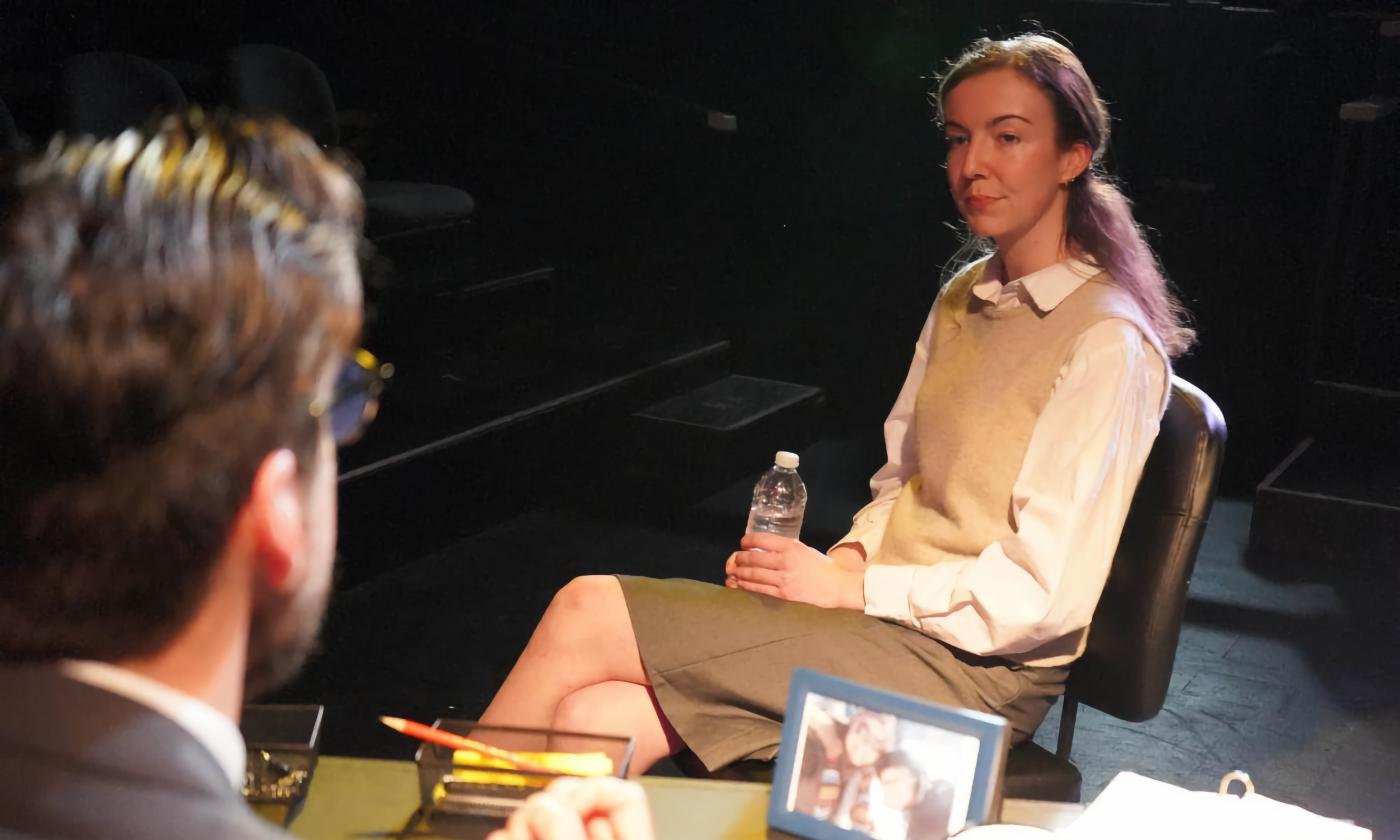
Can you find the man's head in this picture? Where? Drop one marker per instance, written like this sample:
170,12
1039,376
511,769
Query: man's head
175,305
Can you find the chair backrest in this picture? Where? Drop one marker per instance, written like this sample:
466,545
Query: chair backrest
1132,641
268,80
105,93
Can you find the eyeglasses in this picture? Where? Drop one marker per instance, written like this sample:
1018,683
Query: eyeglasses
355,398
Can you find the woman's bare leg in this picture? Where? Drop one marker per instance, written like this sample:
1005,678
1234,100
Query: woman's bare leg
621,708
585,638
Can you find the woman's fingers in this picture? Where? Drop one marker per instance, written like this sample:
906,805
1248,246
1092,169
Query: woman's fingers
767,542
758,574
755,559
761,588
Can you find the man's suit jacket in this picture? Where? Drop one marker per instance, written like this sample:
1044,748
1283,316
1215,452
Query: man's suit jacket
80,762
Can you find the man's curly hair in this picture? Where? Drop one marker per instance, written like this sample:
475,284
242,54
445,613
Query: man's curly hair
168,299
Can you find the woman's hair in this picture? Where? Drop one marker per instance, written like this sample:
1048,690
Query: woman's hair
1100,220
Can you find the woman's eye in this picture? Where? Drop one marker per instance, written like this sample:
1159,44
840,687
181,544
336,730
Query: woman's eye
954,140
1010,138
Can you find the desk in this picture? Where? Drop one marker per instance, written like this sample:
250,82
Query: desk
373,798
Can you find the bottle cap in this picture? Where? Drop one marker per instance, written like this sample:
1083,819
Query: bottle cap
786,460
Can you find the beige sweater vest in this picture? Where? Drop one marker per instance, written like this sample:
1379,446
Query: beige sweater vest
989,375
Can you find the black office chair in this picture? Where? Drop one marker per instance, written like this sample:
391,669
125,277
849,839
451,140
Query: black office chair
266,79
105,93
1132,641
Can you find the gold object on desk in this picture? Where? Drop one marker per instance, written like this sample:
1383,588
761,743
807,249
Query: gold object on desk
282,742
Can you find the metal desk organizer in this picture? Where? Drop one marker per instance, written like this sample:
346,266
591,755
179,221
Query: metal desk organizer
283,741
459,782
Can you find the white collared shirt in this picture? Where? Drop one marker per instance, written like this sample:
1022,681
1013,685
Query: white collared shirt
207,725
1106,405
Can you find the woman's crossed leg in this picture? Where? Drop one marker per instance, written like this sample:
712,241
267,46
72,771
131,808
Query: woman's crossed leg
582,672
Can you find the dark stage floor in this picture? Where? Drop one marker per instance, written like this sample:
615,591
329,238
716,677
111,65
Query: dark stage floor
1294,682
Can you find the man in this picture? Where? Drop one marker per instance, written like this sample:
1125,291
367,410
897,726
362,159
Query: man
178,312
178,316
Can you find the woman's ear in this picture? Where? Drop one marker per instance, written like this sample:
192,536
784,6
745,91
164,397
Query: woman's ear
276,512
1074,161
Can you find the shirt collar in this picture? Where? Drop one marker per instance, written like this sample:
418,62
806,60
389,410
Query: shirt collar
1046,288
210,727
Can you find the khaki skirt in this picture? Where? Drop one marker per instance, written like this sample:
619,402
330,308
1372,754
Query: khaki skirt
720,661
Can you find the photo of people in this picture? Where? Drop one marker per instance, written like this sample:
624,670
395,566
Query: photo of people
876,774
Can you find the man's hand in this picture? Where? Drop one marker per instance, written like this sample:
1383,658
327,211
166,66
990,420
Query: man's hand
581,809
787,569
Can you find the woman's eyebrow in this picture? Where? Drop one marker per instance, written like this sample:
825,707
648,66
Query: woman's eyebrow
947,124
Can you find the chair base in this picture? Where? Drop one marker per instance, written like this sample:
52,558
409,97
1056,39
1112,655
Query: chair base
1033,772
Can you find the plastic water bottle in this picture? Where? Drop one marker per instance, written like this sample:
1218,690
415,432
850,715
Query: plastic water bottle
779,499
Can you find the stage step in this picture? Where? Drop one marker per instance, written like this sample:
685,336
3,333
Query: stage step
718,432
1331,507
1333,504
452,480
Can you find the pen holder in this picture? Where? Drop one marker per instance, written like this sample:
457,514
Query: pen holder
465,782
282,743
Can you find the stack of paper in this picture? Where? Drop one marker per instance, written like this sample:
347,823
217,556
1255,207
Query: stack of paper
1139,807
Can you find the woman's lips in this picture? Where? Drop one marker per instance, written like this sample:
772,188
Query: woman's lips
979,202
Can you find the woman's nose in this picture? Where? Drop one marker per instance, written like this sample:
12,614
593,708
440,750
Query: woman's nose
972,163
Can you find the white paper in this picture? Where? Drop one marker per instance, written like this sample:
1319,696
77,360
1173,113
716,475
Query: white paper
1139,807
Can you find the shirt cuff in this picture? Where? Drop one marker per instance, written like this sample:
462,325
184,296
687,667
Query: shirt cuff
887,591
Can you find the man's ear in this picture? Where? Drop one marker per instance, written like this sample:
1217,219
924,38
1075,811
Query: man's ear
276,514
1074,161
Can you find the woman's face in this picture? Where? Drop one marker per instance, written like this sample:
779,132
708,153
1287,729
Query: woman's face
867,738
1005,167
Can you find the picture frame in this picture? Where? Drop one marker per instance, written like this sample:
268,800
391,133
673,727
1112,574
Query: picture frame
859,762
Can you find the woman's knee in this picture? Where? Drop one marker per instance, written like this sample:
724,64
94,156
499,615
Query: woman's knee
586,599
585,609
579,711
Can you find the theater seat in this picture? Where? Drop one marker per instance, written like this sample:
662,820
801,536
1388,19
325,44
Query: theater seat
400,206
105,93
266,80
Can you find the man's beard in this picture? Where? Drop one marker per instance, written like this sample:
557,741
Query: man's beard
284,632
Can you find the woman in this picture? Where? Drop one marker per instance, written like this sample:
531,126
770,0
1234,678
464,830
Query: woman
1014,448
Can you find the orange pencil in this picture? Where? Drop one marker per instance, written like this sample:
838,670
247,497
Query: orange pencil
458,742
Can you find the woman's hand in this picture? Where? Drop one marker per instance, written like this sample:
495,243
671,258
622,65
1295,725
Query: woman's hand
787,569
581,809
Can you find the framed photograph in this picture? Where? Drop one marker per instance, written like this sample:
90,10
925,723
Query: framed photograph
856,762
